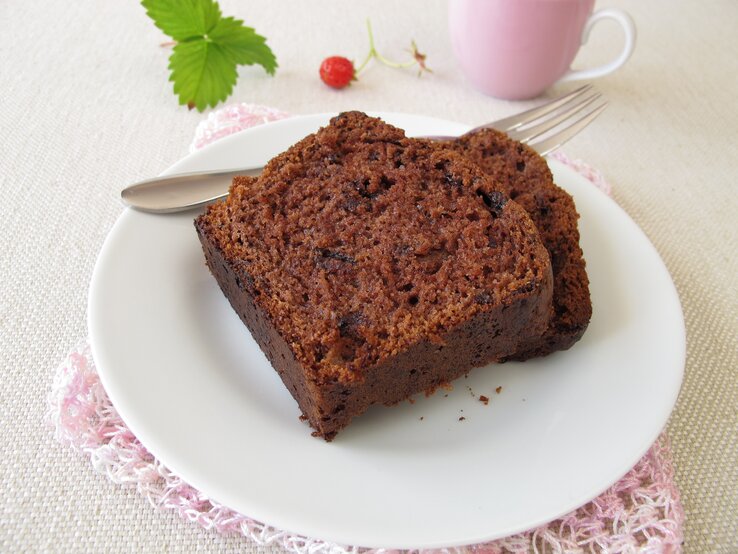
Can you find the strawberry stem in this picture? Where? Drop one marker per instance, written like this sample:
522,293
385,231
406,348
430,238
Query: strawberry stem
373,53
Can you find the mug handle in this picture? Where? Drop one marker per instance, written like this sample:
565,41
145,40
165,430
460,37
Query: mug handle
626,22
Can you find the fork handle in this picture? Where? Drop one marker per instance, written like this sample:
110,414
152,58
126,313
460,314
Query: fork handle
184,191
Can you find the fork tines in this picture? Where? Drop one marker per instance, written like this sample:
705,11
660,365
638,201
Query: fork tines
555,122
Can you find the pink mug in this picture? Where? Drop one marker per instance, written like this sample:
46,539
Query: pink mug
515,49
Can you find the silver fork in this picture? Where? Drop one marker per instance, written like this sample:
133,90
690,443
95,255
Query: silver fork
552,124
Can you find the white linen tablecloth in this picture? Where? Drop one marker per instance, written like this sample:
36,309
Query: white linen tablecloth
85,108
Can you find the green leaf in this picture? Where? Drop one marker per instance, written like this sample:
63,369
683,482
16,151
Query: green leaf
202,72
209,47
242,44
183,19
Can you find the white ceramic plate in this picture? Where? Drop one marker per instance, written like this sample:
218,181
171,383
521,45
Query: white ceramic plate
186,376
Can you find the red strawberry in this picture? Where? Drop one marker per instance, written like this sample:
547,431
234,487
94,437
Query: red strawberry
337,71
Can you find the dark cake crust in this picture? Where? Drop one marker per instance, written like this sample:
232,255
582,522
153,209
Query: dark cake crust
525,177
370,267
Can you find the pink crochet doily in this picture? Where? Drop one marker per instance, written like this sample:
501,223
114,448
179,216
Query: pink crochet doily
640,513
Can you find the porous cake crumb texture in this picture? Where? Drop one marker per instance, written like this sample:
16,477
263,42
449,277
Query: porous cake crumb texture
360,255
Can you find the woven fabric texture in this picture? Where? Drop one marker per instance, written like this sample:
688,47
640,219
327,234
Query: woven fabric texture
86,108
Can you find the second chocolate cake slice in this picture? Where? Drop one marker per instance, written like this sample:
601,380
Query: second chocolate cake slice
370,267
520,173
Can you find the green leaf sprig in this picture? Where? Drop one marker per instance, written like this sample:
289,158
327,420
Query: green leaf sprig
208,48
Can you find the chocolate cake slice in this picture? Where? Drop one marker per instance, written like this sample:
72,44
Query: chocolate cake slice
524,176
370,267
